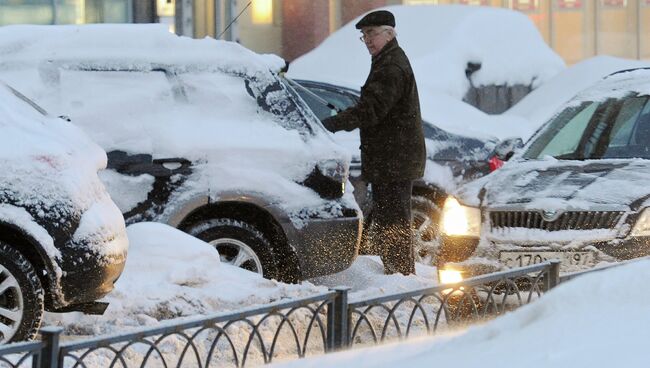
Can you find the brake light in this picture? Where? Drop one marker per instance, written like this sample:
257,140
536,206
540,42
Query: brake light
495,163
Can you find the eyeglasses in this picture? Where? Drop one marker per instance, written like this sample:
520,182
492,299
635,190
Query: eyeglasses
370,35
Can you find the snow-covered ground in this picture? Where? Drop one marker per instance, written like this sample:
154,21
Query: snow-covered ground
170,274
596,320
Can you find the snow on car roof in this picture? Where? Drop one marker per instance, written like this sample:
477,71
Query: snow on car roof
541,104
617,85
139,44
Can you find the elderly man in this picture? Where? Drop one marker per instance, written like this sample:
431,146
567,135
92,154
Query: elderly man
392,141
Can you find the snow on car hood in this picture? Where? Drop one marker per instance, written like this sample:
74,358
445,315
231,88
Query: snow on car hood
49,168
562,184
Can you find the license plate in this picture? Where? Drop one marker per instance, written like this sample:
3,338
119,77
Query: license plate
568,259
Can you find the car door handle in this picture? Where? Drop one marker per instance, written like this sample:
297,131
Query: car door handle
174,166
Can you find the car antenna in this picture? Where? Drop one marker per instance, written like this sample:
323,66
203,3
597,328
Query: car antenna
234,20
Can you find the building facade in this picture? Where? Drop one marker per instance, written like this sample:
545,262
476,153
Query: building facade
575,29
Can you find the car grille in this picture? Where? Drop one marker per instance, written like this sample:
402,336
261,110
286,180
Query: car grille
572,220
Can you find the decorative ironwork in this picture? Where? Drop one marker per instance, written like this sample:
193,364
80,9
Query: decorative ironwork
235,339
428,310
24,354
317,324
544,220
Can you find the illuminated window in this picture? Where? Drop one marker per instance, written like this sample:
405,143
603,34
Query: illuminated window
262,11
165,8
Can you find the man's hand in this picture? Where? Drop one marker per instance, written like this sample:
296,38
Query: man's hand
329,124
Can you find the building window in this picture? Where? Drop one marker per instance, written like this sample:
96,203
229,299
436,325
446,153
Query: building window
64,11
26,12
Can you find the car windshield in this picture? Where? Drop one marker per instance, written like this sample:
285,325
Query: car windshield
614,128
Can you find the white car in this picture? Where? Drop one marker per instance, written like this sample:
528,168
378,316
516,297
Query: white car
202,135
63,242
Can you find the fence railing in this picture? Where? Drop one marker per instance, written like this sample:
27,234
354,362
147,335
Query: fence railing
313,325
427,310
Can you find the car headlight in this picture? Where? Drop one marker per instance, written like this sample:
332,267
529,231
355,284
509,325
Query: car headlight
459,220
642,226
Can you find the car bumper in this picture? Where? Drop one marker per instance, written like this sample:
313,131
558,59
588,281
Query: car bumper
89,274
455,254
325,246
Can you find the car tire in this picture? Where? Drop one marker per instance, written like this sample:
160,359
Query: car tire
239,244
425,217
21,297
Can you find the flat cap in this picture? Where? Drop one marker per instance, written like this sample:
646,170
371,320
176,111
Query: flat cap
377,18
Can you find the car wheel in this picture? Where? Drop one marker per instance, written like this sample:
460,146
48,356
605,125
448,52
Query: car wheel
425,215
239,244
21,297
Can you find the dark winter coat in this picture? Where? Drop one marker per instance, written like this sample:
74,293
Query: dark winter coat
388,118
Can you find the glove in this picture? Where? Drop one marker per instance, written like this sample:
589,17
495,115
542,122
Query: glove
329,124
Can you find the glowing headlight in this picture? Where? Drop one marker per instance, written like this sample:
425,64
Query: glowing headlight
460,220
449,276
642,226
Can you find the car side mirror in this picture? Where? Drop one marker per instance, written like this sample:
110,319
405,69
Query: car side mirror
507,147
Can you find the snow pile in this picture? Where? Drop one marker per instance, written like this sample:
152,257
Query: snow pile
540,105
596,320
170,274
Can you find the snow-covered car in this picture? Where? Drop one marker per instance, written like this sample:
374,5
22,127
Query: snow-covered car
202,135
576,192
63,242
466,158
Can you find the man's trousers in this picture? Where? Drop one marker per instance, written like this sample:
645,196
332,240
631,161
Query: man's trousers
390,231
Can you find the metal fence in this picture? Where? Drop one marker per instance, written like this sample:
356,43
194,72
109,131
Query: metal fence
292,329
